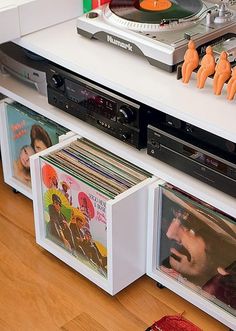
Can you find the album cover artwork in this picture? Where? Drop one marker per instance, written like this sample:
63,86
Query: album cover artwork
28,133
75,216
197,247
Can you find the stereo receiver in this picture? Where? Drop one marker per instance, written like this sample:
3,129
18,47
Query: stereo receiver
99,106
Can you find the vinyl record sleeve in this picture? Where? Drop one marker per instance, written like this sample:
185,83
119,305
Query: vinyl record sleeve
28,133
197,248
75,216
113,159
100,168
110,166
87,170
80,175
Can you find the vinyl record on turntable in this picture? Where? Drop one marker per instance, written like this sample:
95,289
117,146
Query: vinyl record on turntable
155,11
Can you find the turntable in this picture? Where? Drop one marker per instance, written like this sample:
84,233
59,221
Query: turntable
159,30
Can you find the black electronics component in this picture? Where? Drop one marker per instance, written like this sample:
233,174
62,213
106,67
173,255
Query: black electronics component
214,165
99,106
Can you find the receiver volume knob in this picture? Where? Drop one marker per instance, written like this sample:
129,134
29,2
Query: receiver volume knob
125,115
57,80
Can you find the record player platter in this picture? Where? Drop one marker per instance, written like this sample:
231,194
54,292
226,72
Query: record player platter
147,11
159,30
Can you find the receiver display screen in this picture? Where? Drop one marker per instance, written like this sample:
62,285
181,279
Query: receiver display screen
90,99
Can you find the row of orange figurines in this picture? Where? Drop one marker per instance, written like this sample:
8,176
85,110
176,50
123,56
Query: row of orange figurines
221,70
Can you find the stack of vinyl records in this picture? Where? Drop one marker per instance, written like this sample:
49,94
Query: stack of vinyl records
97,167
77,182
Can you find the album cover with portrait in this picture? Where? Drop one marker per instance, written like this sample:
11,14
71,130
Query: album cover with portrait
74,215
28,133
197,247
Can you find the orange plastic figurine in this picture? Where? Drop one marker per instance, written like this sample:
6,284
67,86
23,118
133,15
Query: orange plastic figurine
191,62
222,73
207,68
231,86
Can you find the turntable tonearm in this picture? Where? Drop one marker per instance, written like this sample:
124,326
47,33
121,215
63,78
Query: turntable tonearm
159,30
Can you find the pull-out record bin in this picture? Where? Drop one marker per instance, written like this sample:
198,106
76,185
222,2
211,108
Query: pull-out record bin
117,226
191,249
24,133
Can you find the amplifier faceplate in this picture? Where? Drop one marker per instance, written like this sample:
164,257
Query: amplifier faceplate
107,110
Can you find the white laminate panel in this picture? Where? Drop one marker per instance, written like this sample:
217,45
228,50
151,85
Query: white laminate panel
135,77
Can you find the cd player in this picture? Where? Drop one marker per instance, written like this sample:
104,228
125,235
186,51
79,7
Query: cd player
24,65
204,161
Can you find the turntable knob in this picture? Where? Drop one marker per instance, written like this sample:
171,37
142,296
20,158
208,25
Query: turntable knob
125,115
57,80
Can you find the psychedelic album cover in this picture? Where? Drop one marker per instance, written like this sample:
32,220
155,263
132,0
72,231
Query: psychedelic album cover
28,133
75,216
197,247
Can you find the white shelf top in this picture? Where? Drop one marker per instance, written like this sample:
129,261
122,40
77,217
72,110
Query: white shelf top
133,76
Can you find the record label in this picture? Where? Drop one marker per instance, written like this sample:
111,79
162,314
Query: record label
155,5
